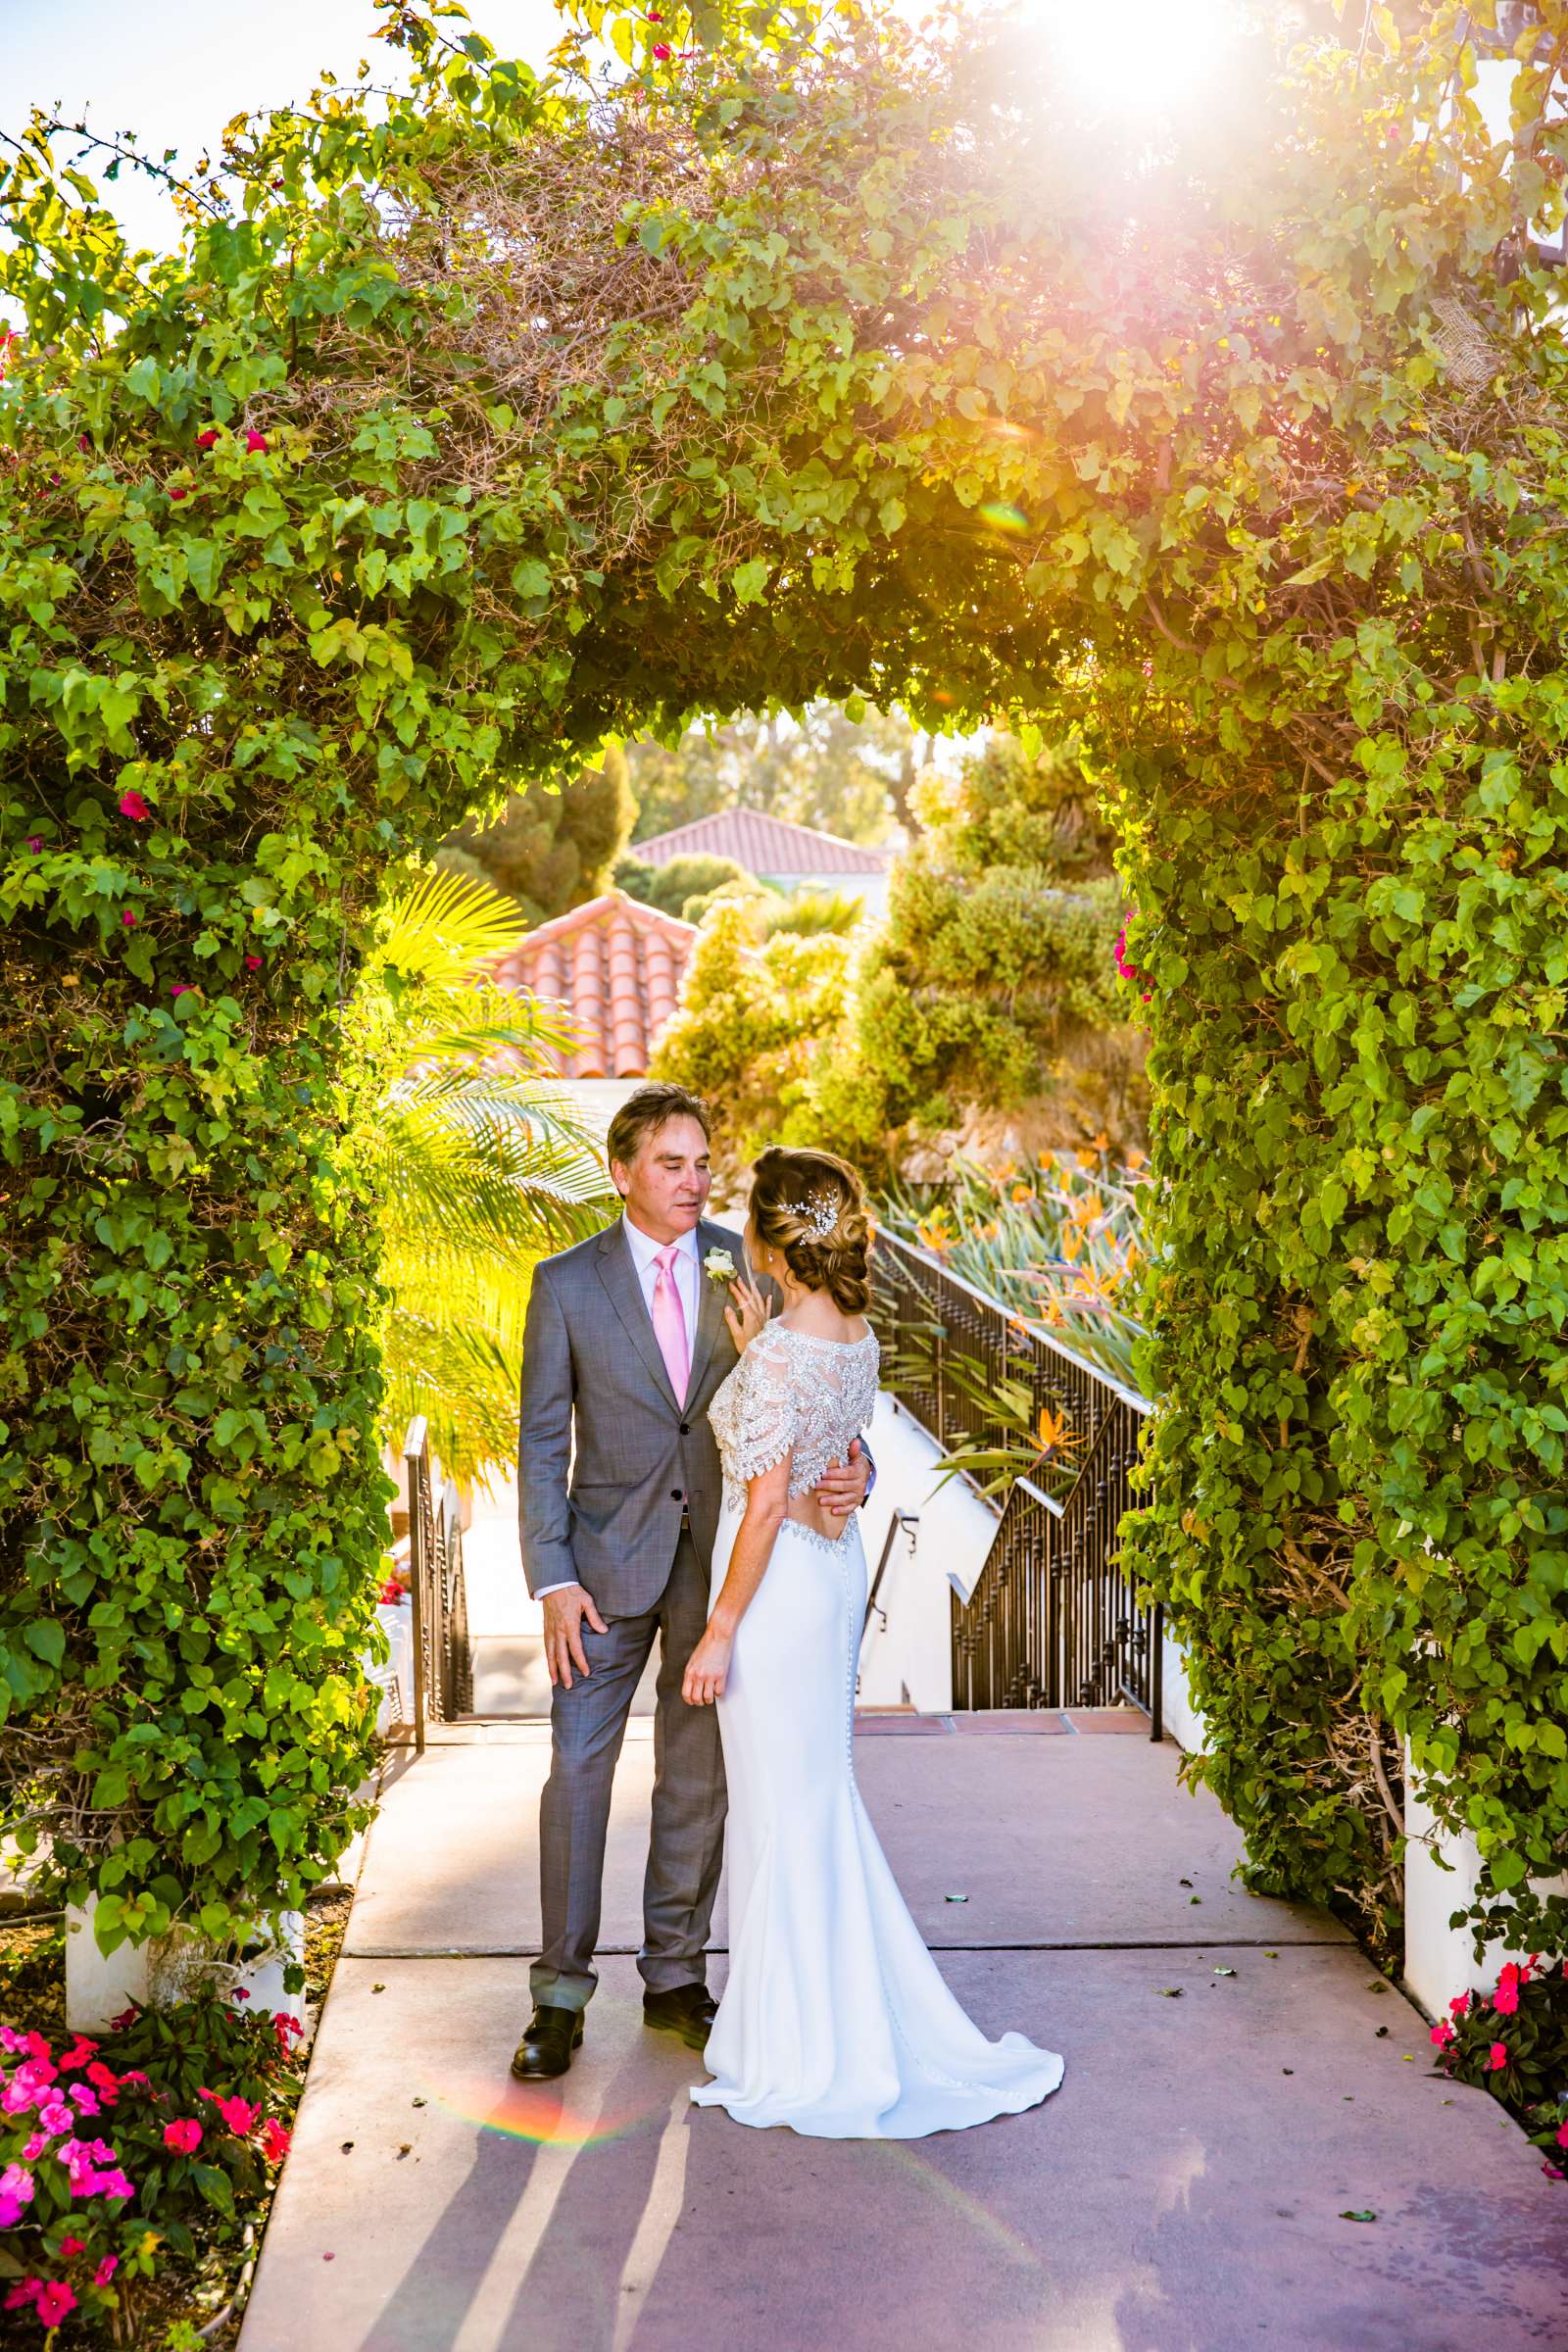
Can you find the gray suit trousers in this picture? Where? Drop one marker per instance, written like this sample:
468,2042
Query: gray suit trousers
587,1725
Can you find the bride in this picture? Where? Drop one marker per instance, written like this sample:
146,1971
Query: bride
835,2020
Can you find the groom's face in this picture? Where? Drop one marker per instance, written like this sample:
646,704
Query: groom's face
665,1187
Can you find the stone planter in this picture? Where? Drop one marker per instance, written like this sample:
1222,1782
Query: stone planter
171,1968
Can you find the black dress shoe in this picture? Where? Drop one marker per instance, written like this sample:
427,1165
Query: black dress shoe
689,2011
546,2048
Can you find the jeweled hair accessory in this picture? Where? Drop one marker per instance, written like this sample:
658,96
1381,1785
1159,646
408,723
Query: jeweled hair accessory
820,1213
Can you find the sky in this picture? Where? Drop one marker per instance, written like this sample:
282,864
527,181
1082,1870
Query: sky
176,71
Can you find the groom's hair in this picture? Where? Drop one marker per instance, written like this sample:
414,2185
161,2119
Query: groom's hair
644,1112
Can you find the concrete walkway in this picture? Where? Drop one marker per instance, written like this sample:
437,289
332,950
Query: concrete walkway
1237,2079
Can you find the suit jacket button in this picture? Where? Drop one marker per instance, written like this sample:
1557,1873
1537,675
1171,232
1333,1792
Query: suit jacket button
685,1429
675,1494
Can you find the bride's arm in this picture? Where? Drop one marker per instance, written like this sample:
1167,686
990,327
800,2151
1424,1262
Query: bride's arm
767,1499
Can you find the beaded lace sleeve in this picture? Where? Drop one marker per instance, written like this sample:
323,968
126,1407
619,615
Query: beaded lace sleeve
796,1397
753,1414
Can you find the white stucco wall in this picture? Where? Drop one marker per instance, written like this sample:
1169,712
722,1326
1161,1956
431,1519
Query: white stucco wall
1438,1961
907,1659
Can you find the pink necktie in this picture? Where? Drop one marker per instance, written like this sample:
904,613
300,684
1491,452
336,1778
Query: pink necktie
669,1323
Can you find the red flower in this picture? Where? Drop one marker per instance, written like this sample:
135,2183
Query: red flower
1441,2035
1498,2056
132,805
55,2298
662,51
239,2115
275,2140
241,1993
1562,2136
1460,2004
128,919
256,442
72,2245
207,439
185,2135
179,493
1505,2000
253,963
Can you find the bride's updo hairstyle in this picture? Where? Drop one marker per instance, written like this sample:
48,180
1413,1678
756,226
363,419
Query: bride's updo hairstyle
811,1207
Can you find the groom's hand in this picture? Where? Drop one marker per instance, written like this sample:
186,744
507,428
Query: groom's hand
564,1611
842,1486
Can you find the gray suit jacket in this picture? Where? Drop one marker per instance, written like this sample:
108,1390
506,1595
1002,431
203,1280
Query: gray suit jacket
610,1519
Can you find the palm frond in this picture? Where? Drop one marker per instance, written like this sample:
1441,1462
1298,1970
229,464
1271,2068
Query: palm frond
446,924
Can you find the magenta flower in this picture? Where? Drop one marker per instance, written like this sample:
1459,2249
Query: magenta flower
179,493
84,441
255,443
1498,2056
1505,2000
26,2291
72,2245
253,963
207,439
1441,2035
1460,2004
1562,2136
239,2115
182,988
106,2270
275,2140
662,51
128,919
132,805
185,2135
241,1993
55,2300
35,843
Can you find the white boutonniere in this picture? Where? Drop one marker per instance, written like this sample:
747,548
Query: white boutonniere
719,1266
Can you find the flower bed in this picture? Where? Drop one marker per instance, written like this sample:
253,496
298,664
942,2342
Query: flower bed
136,2168
1514,2042
1060,1242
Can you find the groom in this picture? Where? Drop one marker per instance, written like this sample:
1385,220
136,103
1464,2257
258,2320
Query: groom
619,1488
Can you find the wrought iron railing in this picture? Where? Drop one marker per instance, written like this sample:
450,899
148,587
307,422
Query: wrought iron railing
1052,1621
443,1665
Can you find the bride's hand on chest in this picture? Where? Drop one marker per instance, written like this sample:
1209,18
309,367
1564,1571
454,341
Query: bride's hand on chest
746,1312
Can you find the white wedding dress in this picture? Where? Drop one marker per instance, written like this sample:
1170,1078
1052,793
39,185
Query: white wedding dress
835,2019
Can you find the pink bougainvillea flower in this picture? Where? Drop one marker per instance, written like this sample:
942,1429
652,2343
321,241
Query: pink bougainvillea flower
255,443
206,440
126,2017
1441,2035
186,2135
55,2300
239,2115
35,843
132,805
1498,2056
182,988
253,963
275,2140
1460,2004
72,2245
106,2270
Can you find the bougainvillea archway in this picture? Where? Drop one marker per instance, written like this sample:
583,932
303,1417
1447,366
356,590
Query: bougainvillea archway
811,355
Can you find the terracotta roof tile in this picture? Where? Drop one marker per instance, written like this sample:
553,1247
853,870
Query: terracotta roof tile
617,967
763,845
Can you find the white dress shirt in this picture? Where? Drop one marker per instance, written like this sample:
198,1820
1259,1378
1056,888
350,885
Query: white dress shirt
645,1251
